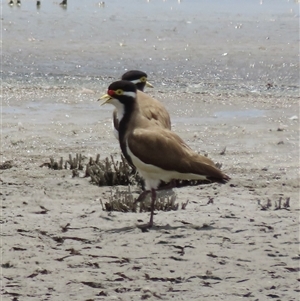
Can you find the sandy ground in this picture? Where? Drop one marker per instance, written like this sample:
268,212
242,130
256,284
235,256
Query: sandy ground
243,245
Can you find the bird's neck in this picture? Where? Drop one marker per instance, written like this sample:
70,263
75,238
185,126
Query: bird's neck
128,114
125,115
140,86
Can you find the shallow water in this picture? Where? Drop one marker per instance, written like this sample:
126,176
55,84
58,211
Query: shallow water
194,47
219,40
240,114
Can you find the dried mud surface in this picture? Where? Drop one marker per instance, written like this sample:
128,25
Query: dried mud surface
58,243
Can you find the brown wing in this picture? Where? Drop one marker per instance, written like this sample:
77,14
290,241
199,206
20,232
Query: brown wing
153,109
168,151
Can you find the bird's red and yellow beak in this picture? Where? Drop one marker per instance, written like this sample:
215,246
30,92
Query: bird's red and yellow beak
106,97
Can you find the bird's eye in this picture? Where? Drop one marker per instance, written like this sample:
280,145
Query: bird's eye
119,92
143,79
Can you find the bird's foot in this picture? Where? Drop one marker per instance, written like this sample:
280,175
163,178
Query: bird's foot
145,227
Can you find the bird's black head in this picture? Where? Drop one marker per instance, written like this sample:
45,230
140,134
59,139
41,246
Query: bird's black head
139,78
124,91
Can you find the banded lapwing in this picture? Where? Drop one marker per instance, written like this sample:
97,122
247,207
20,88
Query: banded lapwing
151,108
137,77
158,153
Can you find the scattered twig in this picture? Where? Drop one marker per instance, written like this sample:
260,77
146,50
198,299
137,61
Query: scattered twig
124,201
286,204
265,207
109,172
65,228
210,200
6,165
278,205
43,211
223,151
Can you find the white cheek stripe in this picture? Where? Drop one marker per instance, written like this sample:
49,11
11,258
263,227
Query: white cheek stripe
130,94
120,108
135,81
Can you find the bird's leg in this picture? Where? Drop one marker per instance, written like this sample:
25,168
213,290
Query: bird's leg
153,196
170,185
142,196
